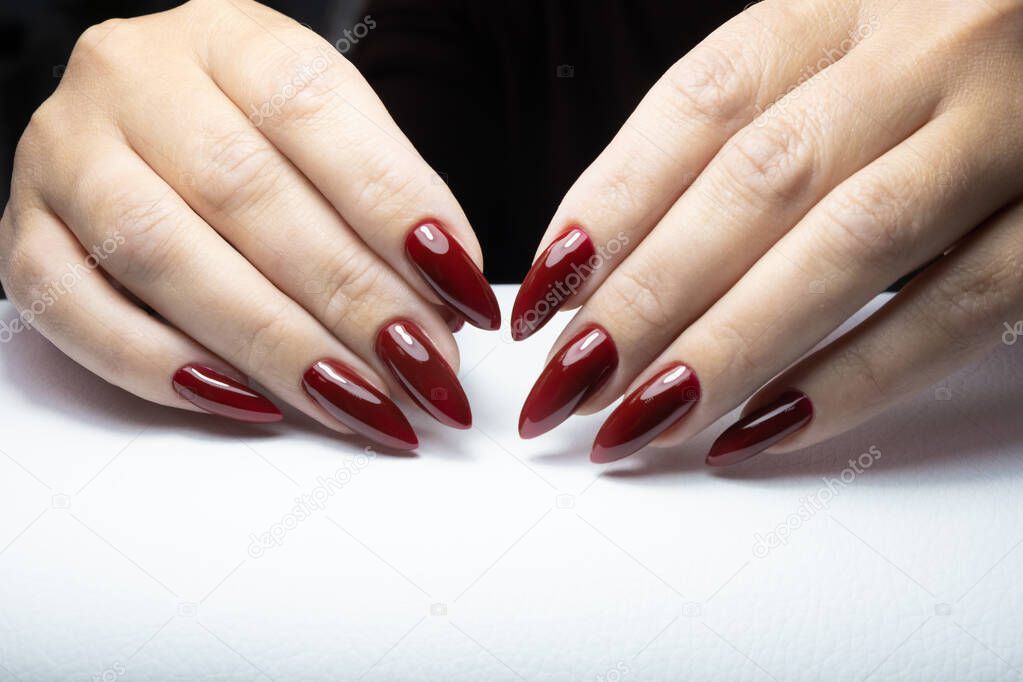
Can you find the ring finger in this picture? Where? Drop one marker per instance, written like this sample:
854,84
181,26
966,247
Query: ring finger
172,260
243,187
761,183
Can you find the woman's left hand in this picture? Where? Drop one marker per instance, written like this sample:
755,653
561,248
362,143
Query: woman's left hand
791,167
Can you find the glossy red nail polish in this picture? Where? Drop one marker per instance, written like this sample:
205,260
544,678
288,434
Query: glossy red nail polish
646,413
557,274
354,402
421,370
220,394
574,374
761,429
454,321
447,268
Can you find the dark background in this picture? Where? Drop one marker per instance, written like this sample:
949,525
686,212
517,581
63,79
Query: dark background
509,101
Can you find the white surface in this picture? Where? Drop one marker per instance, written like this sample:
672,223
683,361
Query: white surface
125,543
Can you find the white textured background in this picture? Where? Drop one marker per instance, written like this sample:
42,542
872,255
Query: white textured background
125,543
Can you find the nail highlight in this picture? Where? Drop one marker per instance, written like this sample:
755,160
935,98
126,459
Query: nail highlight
450,272
646,413
555,276
576,372
354,402
761,429
421,370
219,394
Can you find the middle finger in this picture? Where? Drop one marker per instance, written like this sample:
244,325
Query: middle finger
760,184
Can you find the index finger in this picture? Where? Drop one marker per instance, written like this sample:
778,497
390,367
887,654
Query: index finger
314,106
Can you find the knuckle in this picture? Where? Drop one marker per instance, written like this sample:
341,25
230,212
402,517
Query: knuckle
859,376
102,45
627,187
241,172
142,234
24,274
133,229
269,332
31,278
711,84
867,223
732,345
639,293
973,297
303,88
352,278
775,161
384,186
44,131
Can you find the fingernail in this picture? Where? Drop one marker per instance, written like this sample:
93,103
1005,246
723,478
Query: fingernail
761,429
448,270
646,412
421,370
221,395
576,372
354,402
555,276
454,321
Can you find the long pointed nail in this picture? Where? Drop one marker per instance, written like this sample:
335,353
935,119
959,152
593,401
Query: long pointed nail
421,370
219,394
555,276
761,429
576,372
449,271
646,413
453,320
354,402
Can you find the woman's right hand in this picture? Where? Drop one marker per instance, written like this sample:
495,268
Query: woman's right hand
230,170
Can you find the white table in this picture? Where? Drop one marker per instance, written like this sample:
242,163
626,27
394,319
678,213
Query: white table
126,542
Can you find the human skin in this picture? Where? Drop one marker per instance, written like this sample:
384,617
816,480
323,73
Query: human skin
792,166
226,168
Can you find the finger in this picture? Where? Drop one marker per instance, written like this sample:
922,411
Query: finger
60,291
243,187
315,107
892,217
768,176
895,215
176,263
955,310
739,71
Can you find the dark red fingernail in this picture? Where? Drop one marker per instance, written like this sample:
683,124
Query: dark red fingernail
761,429
646,413
354,402
447,268
577,372
454,321
555,276
421,370
220,394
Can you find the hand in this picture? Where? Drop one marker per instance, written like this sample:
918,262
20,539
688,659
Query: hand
796,163
230,170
